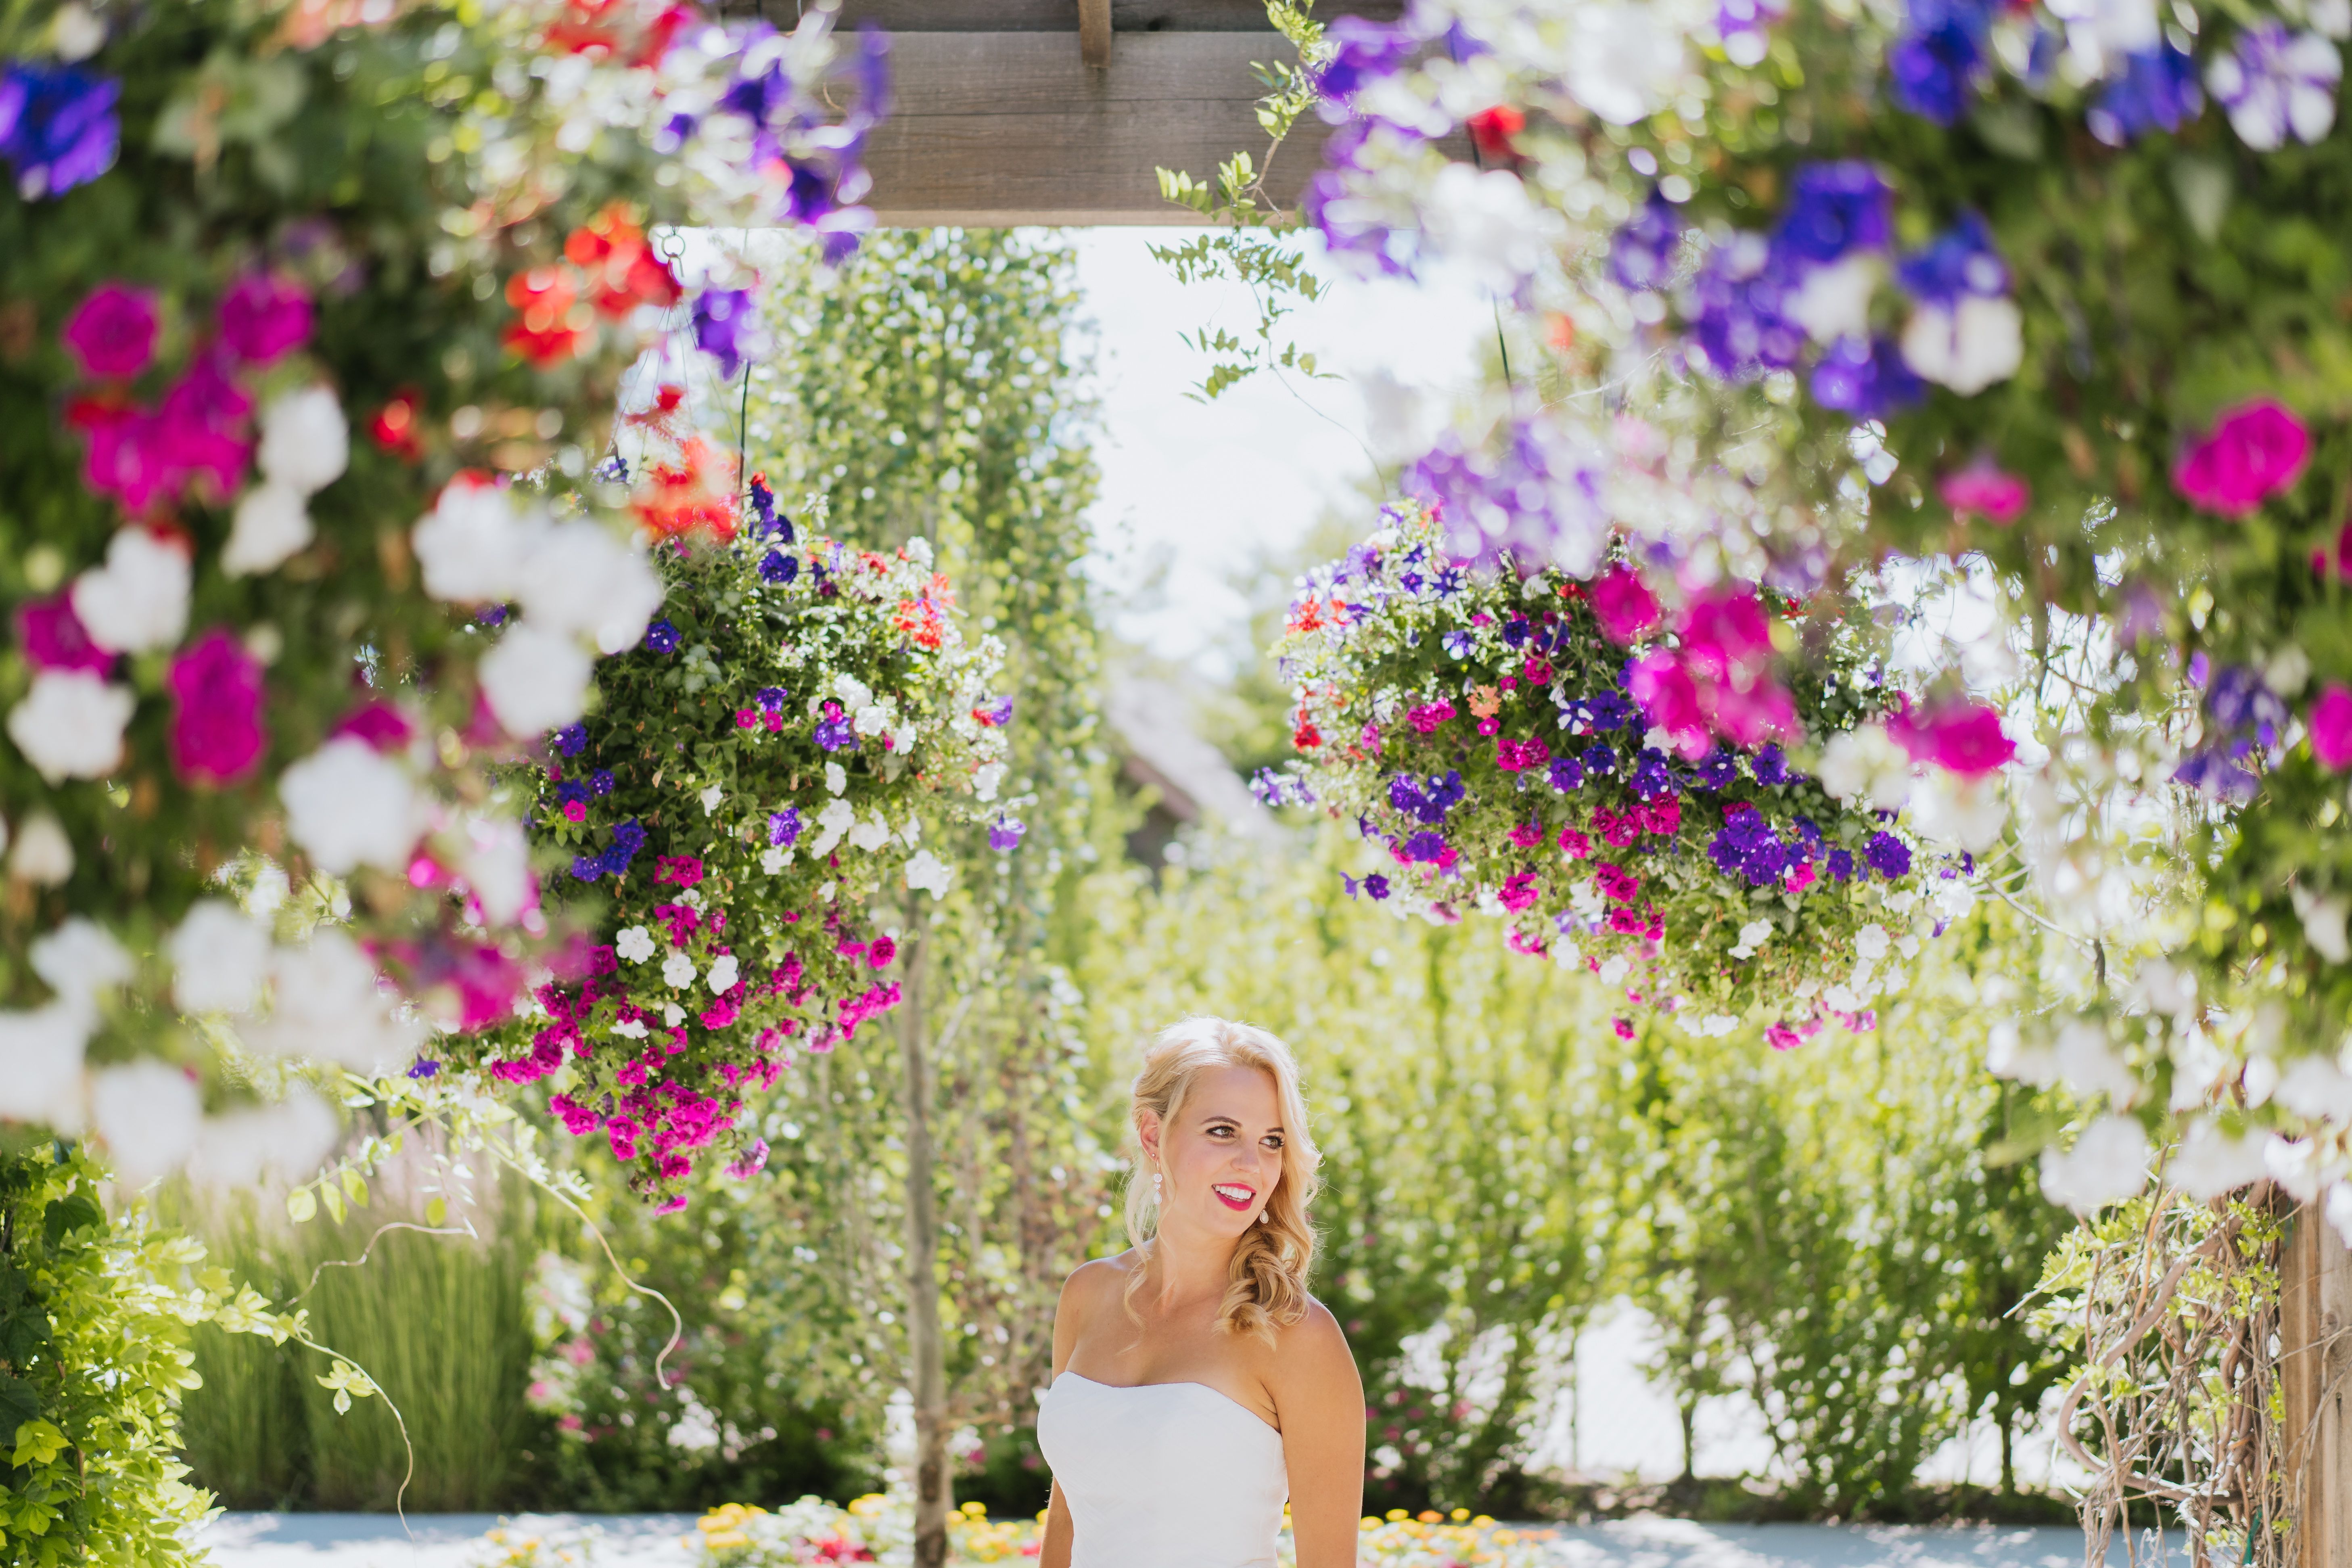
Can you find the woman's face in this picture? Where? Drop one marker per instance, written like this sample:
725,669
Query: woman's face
1221,1158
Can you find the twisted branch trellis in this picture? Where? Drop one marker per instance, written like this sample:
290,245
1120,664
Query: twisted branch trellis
2178,1410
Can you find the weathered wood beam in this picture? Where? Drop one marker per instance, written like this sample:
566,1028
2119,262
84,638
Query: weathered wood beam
1093,32
1054,16
995,129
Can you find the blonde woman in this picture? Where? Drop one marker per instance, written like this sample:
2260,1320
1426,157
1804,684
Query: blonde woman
1196,1383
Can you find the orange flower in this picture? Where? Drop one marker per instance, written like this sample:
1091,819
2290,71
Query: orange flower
693,495
919,621
543,333
1485,700
622,269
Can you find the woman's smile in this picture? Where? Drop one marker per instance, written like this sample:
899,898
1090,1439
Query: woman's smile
1235,1196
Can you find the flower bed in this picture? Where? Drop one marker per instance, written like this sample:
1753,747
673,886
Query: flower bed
753,775
1551,749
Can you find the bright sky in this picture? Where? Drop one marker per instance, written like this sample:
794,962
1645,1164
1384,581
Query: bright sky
1193,492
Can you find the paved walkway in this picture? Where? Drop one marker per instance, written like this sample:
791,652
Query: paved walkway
651,1541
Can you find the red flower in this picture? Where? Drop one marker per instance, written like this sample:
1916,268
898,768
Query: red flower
544,333
1493,129
395,426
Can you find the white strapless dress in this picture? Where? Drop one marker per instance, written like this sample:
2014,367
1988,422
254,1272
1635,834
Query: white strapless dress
1163,1475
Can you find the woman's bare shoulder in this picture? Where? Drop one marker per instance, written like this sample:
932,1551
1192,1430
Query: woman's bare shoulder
1096,1281
1314,1343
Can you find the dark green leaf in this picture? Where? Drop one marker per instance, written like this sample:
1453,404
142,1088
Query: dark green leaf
70,1213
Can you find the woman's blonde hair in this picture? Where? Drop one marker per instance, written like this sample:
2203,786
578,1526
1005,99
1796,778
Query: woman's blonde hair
1268,1282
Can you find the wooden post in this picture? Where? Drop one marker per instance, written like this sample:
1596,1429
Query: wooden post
934,1486
1093,32
2315,1356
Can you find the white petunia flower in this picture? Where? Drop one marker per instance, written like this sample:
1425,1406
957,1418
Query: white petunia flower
986,780
630,1029
495,860
2272,82
1863,765
673,1014
80,960
348,807
1833,302
926,872
1627,61
44,856
138,599
1753,936
306,444
635,944
148,1113
837,779
724,973
1486,221
1967,345
1870,943
677,970
474,545
70,725
837,819
580,579
773,859
219,957
2317,1088
292,1138
870,835
43,1051
2089,1065
2323,924
272,522
710,797
536,679
327,1005
2209,1162
2107,1164
1613,971
2295,1165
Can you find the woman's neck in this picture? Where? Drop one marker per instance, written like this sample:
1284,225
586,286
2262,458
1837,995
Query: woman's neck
1188,1265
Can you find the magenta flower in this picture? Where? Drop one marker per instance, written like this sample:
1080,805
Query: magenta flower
1429,716
1781,1038
1959,736
1982,490
2253,451
263,319
1749,716
377,722
1669,699
112,334
53,637
217,733
1724,634
2331,727
1627,608
1519,891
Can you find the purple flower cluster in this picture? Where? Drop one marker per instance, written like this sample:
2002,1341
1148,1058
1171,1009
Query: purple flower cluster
628,837
662,638
777,567
1642,253
1941,57
2242,715
1376,885
2157,91
1274,789
59,128
1426,802
834,731
1536,489
722,318
1745,847
783,828
1005,834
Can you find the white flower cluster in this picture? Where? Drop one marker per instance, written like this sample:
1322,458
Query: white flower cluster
70,725
576,583
306,444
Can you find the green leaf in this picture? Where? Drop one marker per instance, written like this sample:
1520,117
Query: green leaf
18,1404
70,1213
301,1205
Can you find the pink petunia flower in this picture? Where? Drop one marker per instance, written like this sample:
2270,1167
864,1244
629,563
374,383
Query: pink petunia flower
263,319
1959,736
2331,727
53,637
112,334
1627,610
216,734
1982,490
2253,452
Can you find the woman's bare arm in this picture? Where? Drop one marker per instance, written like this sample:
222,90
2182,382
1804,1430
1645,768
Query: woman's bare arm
1069,1316
1321,1398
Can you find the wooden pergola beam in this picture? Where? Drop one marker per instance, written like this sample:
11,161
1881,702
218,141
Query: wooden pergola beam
1060,111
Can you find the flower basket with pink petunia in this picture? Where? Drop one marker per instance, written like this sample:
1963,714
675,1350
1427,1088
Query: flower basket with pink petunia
1621,784
768,760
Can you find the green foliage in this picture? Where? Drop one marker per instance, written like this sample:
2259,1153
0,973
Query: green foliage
94,1319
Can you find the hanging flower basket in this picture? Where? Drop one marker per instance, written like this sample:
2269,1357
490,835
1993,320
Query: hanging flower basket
768,761
1545,750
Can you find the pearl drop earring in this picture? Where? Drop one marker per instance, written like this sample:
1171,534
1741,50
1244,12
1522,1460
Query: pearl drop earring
1155,1187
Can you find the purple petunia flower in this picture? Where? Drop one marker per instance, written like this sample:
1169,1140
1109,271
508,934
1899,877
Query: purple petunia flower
833,729
57,126
772,697
1770,765
570,739
1940,57
1834,208
778,567
783,828
1841,865
1887,855
600,783
2271,82
1642,252
1601,759
1717,768
2157,91
1566,774
490,616
1376,885
662,638
1866,378
1005,834
1425,847
588,867
722,319
1961,260
424,1068
1742,325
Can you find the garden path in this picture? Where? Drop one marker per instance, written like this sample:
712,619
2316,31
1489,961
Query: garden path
651,1540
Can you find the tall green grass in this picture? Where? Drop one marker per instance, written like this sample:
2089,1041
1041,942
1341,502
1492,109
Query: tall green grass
438,1321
